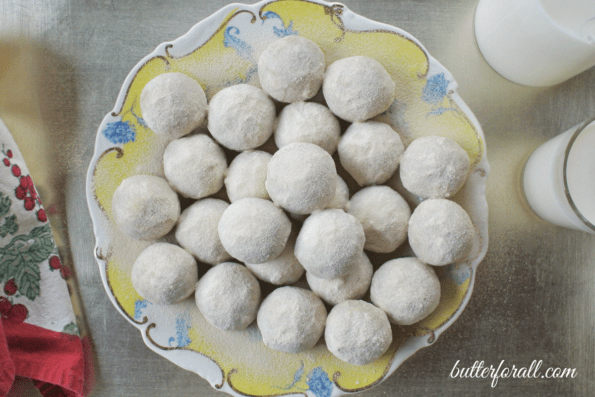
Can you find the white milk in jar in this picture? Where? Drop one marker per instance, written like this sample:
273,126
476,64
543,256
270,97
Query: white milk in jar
537,42
559,179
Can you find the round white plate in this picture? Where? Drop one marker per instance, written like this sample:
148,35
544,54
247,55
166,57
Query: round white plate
223,50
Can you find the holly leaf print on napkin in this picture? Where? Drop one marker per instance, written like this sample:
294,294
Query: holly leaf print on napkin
4,204
20,259
9,226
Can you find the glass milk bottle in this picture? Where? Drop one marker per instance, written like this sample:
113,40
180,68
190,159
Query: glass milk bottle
536,42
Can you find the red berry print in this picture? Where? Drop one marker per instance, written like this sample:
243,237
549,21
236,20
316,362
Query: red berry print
29,203
18,313
27,184
65,272
20,193
41,216
32,192
5,306
10,288
16,170
55,262
6,162
9,154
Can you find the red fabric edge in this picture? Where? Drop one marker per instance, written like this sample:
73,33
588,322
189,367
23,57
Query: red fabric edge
6,366
47,356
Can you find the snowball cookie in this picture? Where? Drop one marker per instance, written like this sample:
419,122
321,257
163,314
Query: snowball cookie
357,332
194,166
370,152
291,69
284,269
228,296
434,167
246,175
164,274
254,230
357,88
307,122
407,289
352,286
301,178
341,197
339,201
145,207
440,232
197,231
173,104
241,117
384,215
291,319
330,243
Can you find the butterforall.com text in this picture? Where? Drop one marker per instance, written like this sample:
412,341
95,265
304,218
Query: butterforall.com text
479,370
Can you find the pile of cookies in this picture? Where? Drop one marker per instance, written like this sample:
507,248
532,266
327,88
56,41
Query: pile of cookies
258,234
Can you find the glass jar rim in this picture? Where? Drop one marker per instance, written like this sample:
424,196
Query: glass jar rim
564,174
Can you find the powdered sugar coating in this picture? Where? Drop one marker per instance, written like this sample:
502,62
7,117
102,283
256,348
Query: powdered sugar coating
352,286
384,215
241,117
291,69
307,122
330,243
228,296
434,167
341,197
440,232
254,230
145,207
173,104
339,201
370,152
197,231
247,174
284,269
357,332
164,274
194,166
357,88
301,178
291,319
407,289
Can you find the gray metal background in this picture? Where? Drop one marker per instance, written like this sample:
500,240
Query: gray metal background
533,297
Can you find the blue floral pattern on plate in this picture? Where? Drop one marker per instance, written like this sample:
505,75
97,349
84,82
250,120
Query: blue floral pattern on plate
231,39
139,305
434,92
317,380
319,383
181,339
282,31
119,132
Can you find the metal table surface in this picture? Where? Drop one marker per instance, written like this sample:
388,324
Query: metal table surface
533,297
